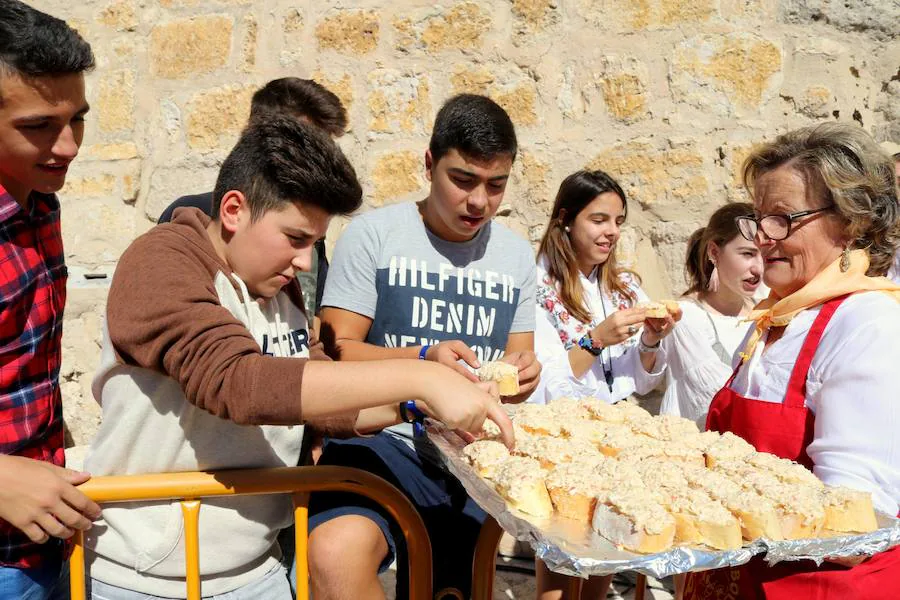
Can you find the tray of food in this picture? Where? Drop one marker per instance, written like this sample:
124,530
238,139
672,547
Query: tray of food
598,489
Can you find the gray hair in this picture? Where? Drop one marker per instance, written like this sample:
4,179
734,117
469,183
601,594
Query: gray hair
855,174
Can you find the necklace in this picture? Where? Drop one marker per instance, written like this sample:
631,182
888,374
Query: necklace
607,369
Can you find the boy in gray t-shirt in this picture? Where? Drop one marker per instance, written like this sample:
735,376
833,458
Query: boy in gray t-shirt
437,280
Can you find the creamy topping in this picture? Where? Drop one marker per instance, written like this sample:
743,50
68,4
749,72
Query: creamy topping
786,470
571,408
591,431
576,478
485,454
497,370
606,412
729,446
701,505
641,507
518,476
555,450
537,417
842,496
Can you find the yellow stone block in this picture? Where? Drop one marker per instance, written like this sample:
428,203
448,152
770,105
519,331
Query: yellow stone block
395,175
115,101
398,102
349,31
740,66
248,62
89,187
461,27
520,102
471,80
624,96
216,113
654,176
180,49
122,151
120,15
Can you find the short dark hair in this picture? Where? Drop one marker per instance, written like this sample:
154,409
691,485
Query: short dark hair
475,126
300,98
33,43
282,160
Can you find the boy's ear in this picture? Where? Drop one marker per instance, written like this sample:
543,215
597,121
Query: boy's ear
233,210
429,163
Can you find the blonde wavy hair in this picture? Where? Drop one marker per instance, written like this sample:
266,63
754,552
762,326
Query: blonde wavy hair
856,175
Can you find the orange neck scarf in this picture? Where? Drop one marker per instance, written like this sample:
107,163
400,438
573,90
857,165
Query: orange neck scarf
830,283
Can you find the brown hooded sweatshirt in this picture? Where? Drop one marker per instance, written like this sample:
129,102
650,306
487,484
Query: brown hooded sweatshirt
196,375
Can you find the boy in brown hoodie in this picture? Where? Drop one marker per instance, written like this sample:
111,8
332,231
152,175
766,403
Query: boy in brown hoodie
205,366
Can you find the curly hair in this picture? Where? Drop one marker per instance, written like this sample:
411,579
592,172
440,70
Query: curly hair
855,174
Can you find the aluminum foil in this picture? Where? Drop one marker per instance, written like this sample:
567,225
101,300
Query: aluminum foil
573,548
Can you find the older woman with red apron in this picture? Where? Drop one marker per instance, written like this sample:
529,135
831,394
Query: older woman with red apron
816,381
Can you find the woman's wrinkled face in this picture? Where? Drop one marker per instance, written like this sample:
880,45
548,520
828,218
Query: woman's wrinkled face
815,241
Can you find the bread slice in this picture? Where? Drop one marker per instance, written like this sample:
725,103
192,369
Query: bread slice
505,374
520,481
653,310
758,516
573,488
633,519
591,431
485,456
701,520
800,507
537,419
848,510
727,447
666,428
786,470
605,412
569,409
551,451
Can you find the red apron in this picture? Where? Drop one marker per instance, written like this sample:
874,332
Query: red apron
786,429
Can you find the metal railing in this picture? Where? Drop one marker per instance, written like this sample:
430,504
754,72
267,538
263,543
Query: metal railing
189,488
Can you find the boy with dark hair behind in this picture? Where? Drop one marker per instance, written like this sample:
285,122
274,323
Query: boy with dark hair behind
205,366
439,281
42,108
308,101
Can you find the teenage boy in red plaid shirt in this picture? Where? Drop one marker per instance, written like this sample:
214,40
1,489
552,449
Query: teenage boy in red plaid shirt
42,108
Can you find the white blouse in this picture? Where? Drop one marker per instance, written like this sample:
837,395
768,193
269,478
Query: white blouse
623,360
851,388
699,354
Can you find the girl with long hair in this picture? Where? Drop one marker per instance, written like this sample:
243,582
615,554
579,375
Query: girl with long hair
725,273
590,336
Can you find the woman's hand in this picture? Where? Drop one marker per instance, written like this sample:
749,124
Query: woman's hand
618,327
656,329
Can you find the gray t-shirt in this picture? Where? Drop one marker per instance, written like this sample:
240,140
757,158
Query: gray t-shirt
419,289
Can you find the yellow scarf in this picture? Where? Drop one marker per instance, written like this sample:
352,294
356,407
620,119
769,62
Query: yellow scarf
830,283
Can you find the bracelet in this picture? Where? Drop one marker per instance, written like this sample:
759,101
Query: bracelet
586,342
642,347
410,413
423,350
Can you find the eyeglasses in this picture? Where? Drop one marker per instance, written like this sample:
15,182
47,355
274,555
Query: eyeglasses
775,227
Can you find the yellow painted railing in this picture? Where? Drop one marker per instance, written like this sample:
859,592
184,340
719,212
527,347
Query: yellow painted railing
298,481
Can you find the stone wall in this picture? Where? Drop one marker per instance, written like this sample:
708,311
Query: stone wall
668,95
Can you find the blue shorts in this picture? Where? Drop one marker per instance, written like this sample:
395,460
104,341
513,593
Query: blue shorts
453,520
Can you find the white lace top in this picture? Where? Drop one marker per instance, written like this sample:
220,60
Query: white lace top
698,366
556,331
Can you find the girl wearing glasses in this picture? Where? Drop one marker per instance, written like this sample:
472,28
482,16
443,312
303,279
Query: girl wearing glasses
725,272
817,380
589,337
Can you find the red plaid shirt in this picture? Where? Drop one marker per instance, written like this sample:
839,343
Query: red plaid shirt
32,296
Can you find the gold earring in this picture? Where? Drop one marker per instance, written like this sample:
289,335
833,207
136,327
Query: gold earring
845,260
